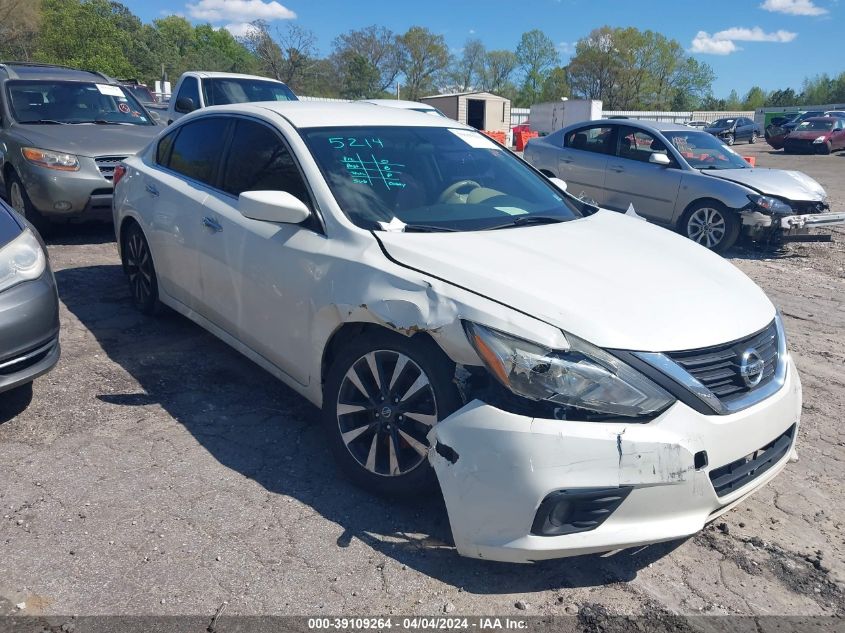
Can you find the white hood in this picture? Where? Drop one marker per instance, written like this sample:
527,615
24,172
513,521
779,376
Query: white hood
615,281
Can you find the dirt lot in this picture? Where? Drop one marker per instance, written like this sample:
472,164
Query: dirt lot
156,471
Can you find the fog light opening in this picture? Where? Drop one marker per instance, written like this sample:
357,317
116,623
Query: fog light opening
62,205
700,460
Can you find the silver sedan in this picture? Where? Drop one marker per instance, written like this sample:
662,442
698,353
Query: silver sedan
681,178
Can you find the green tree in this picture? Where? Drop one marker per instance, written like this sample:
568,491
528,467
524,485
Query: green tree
499,67
424,57
468,69
365,53
536,55
556,85
733,102
360,79
755,98
783,98
19,23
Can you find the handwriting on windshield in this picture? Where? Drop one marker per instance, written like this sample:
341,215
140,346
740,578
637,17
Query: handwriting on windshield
342,142
374,171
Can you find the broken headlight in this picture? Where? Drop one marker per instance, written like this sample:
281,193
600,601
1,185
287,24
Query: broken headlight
583,376
769,204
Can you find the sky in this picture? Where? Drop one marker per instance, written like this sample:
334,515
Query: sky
770,43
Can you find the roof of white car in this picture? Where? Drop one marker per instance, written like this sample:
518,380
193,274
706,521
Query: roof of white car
304,114
399,103
218,75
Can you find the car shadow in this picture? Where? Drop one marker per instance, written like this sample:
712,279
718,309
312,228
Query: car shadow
256,426
13,402
92,232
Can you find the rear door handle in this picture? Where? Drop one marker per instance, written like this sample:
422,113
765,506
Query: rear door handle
617,168
152,190
212,224
566,160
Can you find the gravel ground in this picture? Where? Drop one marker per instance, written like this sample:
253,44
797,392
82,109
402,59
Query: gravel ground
156,471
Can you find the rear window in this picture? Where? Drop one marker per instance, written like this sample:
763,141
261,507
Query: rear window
598,139
223,91
198,147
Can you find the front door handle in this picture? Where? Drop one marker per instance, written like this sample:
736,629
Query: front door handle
212,224
617,168
152,190
566,160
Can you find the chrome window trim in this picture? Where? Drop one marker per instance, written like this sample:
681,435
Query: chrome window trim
666,365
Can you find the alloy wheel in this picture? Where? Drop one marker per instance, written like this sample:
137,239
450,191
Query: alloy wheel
139,268
707,227
385,408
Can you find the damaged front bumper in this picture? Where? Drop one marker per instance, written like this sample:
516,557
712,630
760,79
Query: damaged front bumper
794,228
496,469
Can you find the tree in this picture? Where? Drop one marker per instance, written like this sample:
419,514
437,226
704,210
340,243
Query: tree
733,102
367,53
536,55
499,67
19,22
468,70
782,98
424,57
360,79
556,85
755,98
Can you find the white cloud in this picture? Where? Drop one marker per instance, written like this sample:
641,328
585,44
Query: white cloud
239,29
793,7
238,10
724,42
567,48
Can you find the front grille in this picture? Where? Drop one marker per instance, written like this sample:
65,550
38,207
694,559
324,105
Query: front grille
26,359
719,368
107,164
810,206
735,475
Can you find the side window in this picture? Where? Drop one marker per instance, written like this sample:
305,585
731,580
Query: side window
259,161
189,90
598,139
197,149
164,147
637,144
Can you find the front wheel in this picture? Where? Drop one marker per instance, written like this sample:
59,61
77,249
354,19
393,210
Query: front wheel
729,139
712,225
140,270
383,394
825,148
20,202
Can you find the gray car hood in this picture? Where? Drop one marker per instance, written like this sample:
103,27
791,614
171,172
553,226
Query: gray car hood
89,139
792,185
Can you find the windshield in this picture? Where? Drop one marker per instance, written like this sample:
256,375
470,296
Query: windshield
142,93
723,123
431,111
432,178
807,126
810,115
73,102
704,151
226,90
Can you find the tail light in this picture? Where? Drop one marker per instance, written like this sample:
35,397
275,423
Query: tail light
119,172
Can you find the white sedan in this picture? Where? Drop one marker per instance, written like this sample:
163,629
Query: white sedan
575,379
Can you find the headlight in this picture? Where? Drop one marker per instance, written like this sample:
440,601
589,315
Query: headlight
22,259
583,376
51,160
820,139
769,204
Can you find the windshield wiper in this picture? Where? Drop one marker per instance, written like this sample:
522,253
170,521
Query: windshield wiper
526,220
427,228
44,122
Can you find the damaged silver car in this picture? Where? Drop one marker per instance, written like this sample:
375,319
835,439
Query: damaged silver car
566,375
684,179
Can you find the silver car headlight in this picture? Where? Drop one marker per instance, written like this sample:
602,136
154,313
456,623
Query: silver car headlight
769,204
583,376
21,260
59,161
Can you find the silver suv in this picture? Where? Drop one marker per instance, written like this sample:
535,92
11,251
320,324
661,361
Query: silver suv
62,132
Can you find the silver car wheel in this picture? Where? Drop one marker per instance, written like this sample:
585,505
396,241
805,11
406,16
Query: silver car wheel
139,268
385,408
16,198
707,227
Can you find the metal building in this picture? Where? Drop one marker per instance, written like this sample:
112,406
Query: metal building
481,110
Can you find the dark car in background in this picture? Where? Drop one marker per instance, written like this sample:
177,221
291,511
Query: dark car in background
62,133
29,305
780,126
734,129
819,135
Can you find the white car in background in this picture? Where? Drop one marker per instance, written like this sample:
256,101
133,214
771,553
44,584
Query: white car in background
577,380
416,106
698,125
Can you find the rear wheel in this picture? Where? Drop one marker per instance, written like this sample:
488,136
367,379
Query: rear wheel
20,202
754,137
712,225
140,270
383,394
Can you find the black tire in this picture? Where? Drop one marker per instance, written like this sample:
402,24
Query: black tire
754,137
140,270
729,139
825,148
711,224
19,200
375,441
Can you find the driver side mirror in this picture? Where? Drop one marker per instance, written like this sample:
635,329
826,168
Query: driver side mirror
273,206
185,105
660,159
560,184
